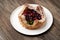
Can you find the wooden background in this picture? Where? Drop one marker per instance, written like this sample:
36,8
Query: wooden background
7,32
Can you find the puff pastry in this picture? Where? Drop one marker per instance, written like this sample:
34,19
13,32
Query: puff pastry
31,17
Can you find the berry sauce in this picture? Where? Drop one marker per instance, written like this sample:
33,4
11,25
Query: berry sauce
31,15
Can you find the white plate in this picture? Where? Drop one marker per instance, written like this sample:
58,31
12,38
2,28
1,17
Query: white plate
16,24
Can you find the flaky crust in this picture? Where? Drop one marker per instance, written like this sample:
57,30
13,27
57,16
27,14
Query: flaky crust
37,24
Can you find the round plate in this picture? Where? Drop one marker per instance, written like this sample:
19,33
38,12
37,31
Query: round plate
16,24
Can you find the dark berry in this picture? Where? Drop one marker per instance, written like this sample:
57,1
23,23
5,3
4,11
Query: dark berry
31,15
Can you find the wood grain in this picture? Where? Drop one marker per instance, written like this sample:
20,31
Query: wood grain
7,32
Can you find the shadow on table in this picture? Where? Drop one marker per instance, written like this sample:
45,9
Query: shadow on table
38,34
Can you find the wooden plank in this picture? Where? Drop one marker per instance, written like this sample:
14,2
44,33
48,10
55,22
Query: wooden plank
7,32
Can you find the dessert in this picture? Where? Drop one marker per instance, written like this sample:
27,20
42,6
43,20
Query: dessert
31,17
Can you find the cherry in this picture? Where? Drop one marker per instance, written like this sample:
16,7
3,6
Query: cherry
31,15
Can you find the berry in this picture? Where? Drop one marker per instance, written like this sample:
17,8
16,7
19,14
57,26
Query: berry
31,15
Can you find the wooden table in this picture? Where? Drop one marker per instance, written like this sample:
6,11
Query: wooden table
7,32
